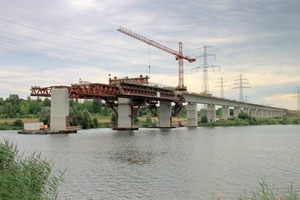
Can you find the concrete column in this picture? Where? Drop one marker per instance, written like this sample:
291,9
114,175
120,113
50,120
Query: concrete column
59,109
124,113
265,114
225,112
192,116
165,114
253,113
247,111
271,113
236,111
259,113
211,113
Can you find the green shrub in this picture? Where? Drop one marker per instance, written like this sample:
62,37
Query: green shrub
28,178
264,192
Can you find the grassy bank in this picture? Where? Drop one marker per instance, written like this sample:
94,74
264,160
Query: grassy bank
247,122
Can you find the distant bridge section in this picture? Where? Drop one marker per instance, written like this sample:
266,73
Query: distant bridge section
256,110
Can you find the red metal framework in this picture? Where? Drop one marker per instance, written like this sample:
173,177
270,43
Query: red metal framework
111,91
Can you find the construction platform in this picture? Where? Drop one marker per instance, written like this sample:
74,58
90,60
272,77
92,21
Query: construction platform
125,129
45,132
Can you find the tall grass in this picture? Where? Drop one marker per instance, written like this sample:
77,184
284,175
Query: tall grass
26,178
265,192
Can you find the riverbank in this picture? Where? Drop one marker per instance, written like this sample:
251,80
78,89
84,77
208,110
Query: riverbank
292,117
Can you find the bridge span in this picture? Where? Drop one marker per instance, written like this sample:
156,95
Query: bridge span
126,95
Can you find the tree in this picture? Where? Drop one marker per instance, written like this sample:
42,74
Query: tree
14,100
24,108
114,119
47,102
148,119
44,115
97,106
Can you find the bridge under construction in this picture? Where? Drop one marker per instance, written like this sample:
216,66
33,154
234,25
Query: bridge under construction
126,95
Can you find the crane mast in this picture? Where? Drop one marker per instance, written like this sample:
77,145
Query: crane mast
179,55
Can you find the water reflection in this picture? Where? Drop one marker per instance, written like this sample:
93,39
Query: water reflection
133,156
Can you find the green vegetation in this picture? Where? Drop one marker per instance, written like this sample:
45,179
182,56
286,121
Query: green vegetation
264,192
14,110
244,119
26,178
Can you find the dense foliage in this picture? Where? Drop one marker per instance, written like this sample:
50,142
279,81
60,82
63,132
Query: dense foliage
265,192
81,112
84,113
26,178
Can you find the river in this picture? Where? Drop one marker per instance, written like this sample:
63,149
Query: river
181,163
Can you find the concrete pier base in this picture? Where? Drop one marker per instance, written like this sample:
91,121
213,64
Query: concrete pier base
211,113
124,114
247,111
259,113
59,109
192,116
165,115
266,114
225,112
236,111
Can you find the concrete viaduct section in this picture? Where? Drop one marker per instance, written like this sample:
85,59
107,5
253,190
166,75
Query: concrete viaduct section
258,111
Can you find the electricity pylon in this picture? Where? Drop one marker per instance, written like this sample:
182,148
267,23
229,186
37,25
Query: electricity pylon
298,99
205,84
222,87
241,84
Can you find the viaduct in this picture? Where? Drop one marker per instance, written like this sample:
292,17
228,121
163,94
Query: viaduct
126,95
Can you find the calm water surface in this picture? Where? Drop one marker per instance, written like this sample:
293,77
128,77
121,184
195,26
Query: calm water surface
182,163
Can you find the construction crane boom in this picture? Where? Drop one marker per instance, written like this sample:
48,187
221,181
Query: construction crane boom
179,55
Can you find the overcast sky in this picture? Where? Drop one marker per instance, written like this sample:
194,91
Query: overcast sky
44,43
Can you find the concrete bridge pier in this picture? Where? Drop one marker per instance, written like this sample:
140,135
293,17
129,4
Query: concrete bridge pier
192,116
211,113
247,111
225,112
260,113
165,114
265,114
124,114
236,111
254,113
272,113
59,109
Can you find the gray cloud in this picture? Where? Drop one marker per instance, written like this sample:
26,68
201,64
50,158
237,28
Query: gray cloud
66,40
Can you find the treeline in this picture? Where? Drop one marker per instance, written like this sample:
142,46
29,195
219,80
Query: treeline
244,119
15,107
84,113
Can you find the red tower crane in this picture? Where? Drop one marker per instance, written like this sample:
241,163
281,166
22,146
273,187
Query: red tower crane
179,55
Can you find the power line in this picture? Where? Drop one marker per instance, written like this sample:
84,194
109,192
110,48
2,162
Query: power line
63,35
